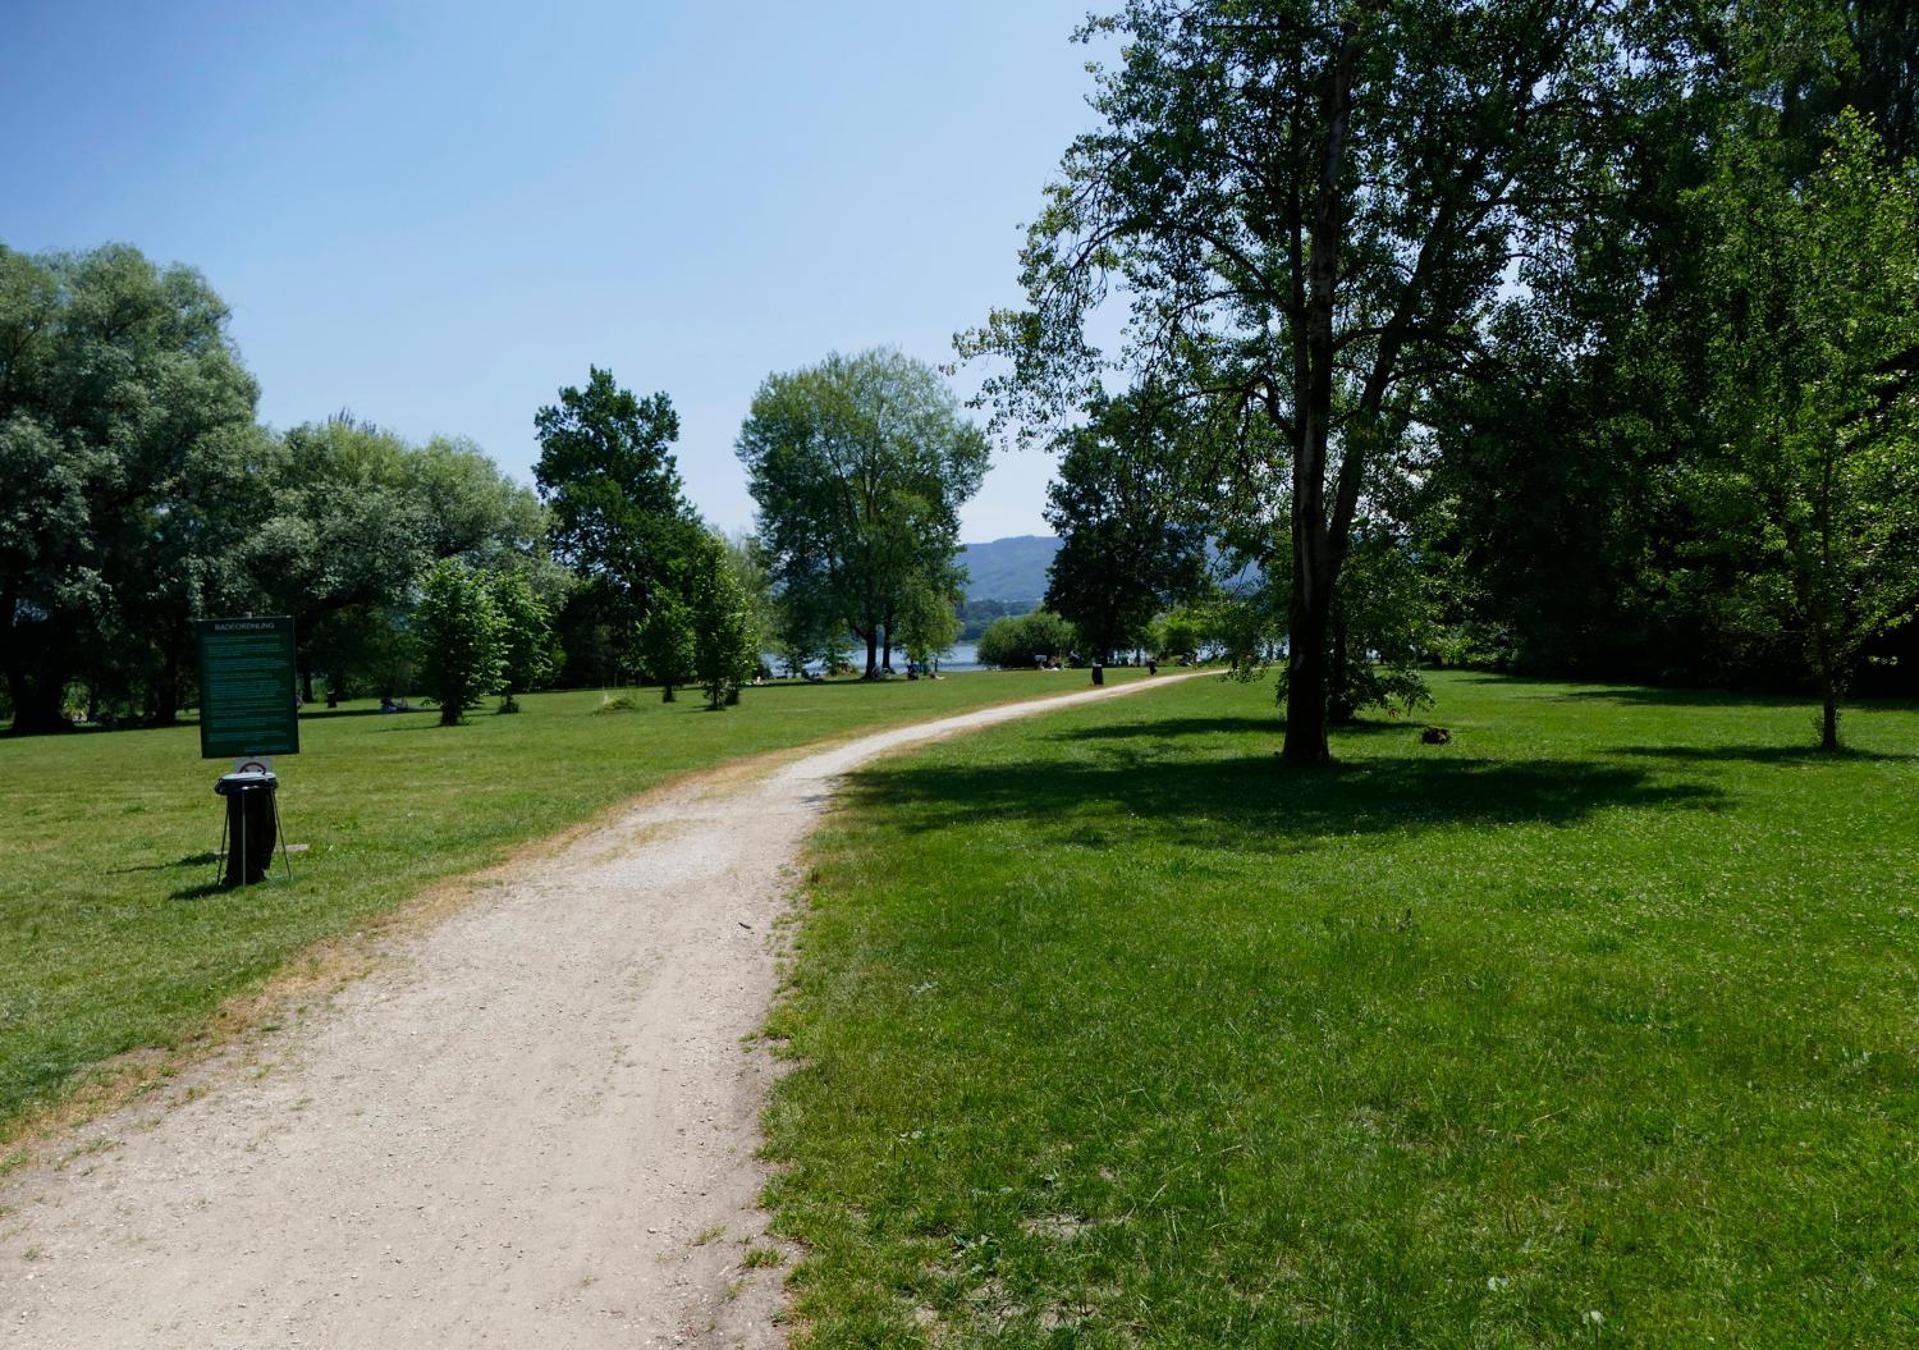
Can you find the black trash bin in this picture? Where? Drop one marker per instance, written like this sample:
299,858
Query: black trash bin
1099,673
253,819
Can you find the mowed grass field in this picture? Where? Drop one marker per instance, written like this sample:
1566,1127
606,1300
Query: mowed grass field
1598,1025
112,938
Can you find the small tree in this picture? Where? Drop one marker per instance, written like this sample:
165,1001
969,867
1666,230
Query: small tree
460,636
725,654
666,642
528,654
1813,368
929,620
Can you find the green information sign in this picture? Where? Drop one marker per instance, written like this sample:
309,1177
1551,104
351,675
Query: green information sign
247,688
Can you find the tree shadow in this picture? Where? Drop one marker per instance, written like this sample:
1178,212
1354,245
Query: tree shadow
1274,726
1260,804
1646,697
1761,754
322,714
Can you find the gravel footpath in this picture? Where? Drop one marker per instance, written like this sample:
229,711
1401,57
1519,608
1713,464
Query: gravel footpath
532,1124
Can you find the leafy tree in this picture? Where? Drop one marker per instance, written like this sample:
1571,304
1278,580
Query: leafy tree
527,654
1015,643
127,459
929,622
666,642
756,587
859,466
1813,370
1126,508
618,516
1306,203
725,653
461,638
1187,632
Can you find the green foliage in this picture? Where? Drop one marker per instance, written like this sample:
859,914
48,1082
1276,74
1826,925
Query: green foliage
461,637
528,656
725,652
1018,642
1187,633
619,518
1305,207
666,642
128,474
1813,366
859,466
1127,506
929,621
1106,1030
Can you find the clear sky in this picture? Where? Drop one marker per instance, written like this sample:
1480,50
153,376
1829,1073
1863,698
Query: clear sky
435,214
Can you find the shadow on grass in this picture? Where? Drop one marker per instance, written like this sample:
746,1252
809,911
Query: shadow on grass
322,714
1761,754
191,860
1259,804
1273,727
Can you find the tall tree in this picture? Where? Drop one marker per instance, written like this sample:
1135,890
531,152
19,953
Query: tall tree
1126,505
1307,204
125,437
606,471
1815,386
859,466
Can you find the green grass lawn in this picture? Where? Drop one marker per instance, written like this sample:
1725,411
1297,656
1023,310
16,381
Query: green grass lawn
1597,1025
111,938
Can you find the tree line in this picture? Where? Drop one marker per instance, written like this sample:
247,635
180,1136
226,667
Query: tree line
138,492
1562,335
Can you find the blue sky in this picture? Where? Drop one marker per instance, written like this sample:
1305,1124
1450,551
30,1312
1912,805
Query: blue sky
436,214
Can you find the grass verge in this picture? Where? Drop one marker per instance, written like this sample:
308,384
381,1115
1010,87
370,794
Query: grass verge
1596,1024
112,940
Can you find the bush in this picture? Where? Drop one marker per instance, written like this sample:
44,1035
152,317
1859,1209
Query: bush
1021,642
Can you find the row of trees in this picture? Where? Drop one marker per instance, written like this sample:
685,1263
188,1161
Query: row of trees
137,492
1576,335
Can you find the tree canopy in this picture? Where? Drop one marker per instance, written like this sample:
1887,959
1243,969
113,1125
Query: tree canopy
859,466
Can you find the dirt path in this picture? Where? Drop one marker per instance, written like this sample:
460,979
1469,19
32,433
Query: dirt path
533,1125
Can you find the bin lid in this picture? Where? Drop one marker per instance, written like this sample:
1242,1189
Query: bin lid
251,779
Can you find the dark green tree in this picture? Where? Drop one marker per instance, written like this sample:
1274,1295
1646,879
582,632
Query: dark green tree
1126,505
1306,205
618,515
129,467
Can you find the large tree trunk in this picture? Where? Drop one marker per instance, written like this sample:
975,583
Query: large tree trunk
163,700
36,679
872,653
886,649
1306,681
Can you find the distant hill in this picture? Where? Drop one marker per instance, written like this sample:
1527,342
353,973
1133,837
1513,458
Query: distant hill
1008,569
